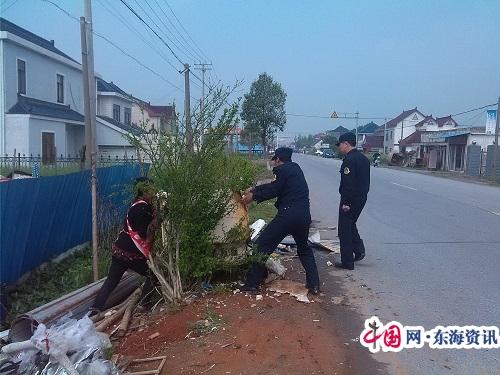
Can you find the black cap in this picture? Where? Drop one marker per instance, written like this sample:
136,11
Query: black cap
347,137
283,153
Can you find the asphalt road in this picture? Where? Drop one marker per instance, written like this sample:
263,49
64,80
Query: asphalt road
433,258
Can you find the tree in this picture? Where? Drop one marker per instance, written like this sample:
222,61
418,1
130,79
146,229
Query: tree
304,141
194,194
264,108
331,140
249,136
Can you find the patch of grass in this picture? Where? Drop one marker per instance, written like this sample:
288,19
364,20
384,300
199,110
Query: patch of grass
55,280
44,170
264,210
210,323
263,172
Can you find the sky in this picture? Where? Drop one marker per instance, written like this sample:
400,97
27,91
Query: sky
376,57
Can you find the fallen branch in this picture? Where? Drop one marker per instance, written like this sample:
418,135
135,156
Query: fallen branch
132,302
118,314
96,319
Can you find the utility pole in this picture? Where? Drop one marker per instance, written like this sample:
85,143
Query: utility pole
385,130
357,118
495,148
90,119
203,67
399,143
187,109
83,35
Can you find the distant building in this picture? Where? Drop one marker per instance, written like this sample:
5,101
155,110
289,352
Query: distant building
338,131
114,120
373,143
430,123
161,118
400,127
444,149
364,130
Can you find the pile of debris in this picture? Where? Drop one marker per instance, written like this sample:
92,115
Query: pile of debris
69,346
286,251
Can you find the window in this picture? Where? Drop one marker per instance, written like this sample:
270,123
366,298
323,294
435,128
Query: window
60,88
116,112
21,76
127,115
392,135
387,136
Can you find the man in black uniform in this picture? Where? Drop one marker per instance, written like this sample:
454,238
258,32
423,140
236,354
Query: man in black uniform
354,186
293,217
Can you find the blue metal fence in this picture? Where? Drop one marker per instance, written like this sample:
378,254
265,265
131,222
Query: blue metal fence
41,218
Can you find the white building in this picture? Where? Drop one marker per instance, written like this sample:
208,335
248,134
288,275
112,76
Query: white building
399,128
161,118
114,120
41,106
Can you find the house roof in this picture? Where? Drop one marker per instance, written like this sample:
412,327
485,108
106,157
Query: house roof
425,120
373,141
396,120
128,128
104,86
31,106
443,120
12,28
340,129
160,110
478,129
369,128
413,138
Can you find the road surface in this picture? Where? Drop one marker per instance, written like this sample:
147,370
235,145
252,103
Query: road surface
433,258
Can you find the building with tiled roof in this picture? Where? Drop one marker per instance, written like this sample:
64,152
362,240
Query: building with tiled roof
400,127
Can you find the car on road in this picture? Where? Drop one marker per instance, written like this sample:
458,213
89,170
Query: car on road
329,154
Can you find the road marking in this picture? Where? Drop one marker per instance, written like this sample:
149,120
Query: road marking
403,186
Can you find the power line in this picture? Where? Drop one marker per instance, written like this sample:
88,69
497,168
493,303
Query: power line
182,47
187,33
116,46
158,28
475,109
178,32
8,7
149,27
136,60
108,6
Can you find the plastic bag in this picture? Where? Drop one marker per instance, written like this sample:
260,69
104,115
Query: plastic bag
69,347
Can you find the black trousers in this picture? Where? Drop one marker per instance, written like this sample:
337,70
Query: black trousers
293,221
350,242
115,273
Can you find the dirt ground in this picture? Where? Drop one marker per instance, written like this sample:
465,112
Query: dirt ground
226,333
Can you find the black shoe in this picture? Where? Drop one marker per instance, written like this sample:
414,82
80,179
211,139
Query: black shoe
359,257
249,289
344,266
314,290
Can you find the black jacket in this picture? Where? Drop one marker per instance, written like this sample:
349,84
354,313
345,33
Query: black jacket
355,178
289,186
139,217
